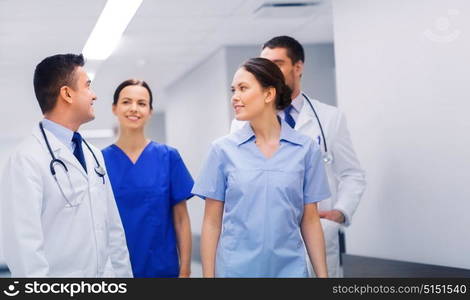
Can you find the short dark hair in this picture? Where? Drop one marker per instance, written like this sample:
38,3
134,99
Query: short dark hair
51,74
268,74
295,51
129,82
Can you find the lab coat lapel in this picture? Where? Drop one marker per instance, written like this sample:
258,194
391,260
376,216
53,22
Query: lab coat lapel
305,117
60,150
90,163
307,122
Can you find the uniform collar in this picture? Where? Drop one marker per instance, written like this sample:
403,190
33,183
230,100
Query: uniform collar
288,134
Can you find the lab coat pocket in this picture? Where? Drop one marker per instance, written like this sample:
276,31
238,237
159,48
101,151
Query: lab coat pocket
330,232
99,202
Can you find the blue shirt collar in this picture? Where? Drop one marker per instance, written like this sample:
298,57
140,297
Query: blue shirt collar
63,134
288,134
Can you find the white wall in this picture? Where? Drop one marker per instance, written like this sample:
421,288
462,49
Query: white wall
7,146
197,113
402,80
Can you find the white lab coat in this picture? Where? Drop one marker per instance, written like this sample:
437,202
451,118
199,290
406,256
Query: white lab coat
345,176
42,235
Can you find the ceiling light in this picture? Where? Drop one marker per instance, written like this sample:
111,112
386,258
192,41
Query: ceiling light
286,9
111,24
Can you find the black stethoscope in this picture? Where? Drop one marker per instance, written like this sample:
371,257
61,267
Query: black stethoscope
327,158
99,170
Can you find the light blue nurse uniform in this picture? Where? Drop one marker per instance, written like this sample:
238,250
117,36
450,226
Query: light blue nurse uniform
263,201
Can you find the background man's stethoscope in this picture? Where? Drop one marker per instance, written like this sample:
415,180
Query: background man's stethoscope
327,158
99,170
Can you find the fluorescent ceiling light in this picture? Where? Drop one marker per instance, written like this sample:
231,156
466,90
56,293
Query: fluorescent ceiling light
286,9
111,24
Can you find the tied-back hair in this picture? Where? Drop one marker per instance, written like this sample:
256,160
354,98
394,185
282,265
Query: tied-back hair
130,82
268,75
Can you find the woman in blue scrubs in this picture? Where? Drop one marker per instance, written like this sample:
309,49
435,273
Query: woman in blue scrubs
261,185
150,183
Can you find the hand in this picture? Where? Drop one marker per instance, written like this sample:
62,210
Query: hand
332,215
184,275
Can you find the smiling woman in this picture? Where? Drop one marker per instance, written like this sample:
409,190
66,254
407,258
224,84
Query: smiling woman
150,183
261,184
132,105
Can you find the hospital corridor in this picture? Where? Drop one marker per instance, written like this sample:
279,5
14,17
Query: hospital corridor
243,138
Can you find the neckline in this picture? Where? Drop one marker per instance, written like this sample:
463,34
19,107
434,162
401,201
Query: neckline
261,154
127,156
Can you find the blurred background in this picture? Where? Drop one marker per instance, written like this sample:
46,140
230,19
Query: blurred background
399,70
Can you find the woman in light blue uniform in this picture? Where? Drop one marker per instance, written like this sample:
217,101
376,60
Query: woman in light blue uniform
261,185
150,183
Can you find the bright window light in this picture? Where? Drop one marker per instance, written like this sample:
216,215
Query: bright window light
111,24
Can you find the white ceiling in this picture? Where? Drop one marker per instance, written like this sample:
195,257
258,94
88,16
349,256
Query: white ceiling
165,39
31,30
170,37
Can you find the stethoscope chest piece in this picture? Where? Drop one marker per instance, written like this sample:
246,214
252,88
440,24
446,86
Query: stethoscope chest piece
99,170
327,158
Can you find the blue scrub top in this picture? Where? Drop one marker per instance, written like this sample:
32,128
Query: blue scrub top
263,201
145,193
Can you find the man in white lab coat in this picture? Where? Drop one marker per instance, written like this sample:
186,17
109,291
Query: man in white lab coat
59,216
327,126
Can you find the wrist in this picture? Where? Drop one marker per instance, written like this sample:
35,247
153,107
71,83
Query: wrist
185,272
